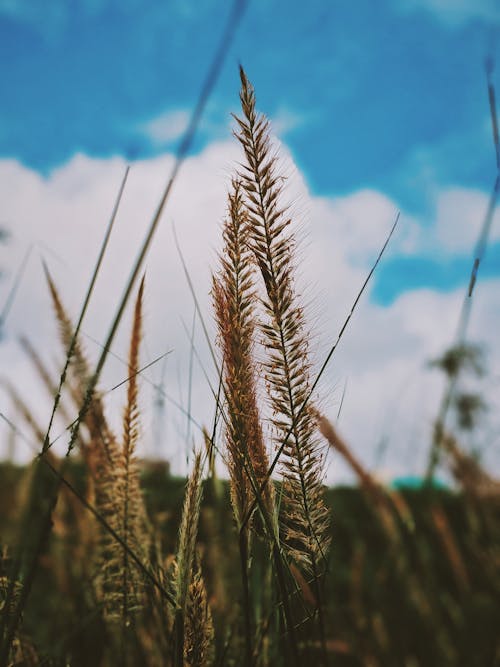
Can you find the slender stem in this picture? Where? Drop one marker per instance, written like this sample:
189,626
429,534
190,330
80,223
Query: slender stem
280,574
321,615
247,609
179,638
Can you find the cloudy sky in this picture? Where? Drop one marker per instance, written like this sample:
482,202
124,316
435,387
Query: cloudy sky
376,108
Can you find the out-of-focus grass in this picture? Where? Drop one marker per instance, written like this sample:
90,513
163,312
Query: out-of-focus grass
374,615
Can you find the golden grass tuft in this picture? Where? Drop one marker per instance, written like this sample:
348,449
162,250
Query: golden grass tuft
124,509
287,367
234,298
199,632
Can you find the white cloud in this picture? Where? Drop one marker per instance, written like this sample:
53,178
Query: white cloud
286,120
382,355
460,215
362,220
168,127
452,226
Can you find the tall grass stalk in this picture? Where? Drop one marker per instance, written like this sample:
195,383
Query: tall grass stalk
287,367
182,577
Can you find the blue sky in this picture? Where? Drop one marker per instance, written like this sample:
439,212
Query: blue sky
389,96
